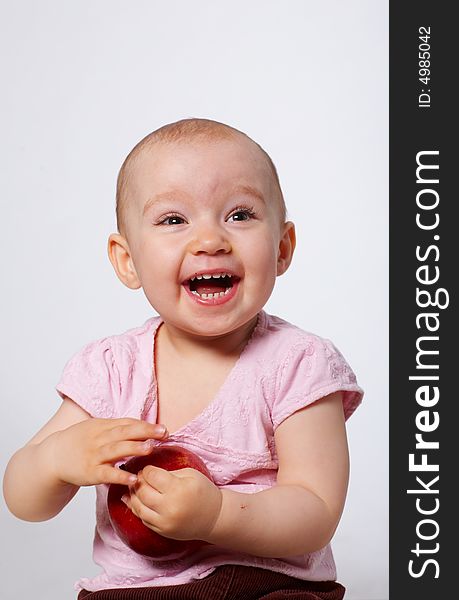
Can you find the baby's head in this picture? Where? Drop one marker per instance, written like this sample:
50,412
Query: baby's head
197,199
189,131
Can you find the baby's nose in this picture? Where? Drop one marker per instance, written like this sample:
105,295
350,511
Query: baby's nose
209,240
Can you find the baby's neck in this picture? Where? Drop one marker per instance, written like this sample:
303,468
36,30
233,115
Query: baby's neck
185,345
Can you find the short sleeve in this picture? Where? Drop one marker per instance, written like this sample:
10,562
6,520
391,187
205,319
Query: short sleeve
313,368
91,379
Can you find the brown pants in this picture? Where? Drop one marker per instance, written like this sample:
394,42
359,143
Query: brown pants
230,582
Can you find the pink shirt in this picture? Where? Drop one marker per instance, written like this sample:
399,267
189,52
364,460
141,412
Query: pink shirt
281,370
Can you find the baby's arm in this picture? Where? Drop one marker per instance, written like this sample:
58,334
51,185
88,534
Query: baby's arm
298,515
72,450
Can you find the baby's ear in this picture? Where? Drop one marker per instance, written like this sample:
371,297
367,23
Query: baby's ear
287,245
120,257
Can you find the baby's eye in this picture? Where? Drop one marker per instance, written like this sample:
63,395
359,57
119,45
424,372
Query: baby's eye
171,220
241,214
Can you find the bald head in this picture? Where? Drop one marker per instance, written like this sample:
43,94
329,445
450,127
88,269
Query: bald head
186,130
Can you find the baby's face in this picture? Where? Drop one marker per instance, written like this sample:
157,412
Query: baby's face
205,233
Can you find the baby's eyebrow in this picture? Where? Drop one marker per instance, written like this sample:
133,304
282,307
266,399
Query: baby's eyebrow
246,190
158,198
249,190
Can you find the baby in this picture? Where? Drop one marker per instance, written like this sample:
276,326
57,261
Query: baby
202,230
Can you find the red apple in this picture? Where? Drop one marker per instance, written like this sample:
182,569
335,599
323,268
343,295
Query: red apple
130,528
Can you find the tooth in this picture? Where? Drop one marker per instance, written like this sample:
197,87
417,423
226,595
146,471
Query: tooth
194,292
216,275
199,276
207,276
221,294
226,291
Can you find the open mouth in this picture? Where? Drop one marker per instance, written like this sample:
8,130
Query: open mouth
215,285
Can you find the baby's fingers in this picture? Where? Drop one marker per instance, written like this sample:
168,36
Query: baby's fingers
115,451
108,474
157,478
147,514
133,429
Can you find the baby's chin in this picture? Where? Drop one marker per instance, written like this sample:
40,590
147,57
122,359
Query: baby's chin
212,327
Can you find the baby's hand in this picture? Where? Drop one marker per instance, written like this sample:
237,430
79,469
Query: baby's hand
182,504
85,453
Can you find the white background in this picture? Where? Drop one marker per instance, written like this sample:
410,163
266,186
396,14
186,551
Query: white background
82,82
